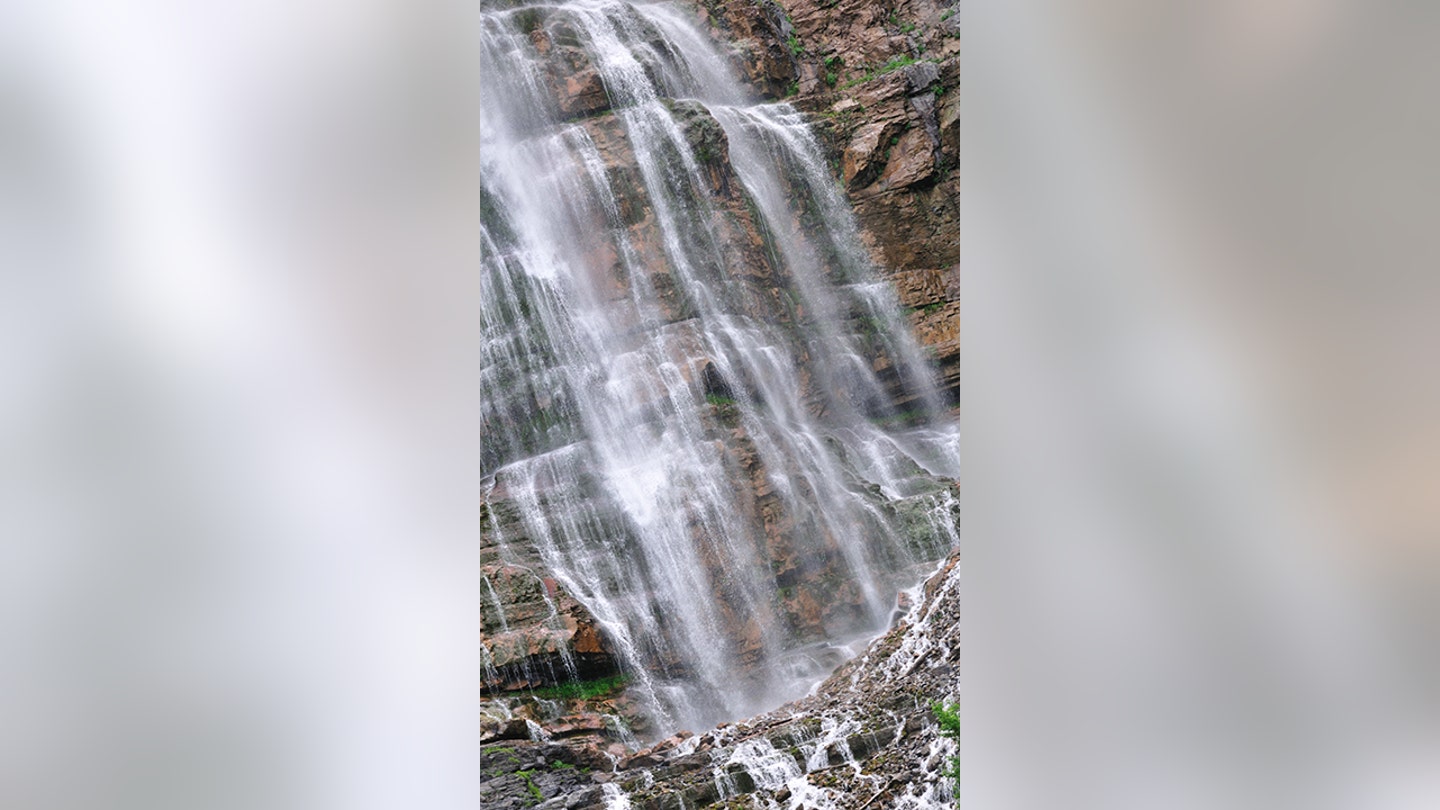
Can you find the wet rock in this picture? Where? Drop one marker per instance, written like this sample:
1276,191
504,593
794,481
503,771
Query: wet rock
582,94
640,761
911,222
535,634
872,713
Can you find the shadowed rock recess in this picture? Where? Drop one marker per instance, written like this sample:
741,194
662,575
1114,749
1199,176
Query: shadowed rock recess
720,345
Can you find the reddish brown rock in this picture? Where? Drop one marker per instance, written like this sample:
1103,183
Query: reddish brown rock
911,160
866,153
582,94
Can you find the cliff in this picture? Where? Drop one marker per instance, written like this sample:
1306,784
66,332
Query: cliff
709,306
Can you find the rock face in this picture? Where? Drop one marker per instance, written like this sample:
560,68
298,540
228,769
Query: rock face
879,88
867,738
881,82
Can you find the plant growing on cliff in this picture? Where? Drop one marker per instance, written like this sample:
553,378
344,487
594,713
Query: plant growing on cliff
581,690
948,716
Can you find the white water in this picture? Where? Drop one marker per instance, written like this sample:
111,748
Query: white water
596,425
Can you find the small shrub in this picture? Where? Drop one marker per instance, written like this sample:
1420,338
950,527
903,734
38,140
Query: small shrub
948,716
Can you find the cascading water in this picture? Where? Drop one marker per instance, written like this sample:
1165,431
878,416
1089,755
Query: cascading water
702,410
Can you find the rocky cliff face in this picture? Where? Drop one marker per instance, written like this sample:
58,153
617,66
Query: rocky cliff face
881,83
878,82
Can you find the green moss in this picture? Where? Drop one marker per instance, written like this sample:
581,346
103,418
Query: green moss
582,690
536,796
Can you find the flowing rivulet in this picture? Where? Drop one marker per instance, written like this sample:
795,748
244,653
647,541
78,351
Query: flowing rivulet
703,415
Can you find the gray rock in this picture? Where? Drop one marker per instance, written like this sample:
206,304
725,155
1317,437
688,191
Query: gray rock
921,75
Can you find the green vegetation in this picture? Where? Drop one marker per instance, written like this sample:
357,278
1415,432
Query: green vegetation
793,43
582,690
948,716
843,118
896,63
889,67
535,795
933,306
719,400
947,14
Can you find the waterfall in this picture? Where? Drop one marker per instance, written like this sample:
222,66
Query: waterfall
702,410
